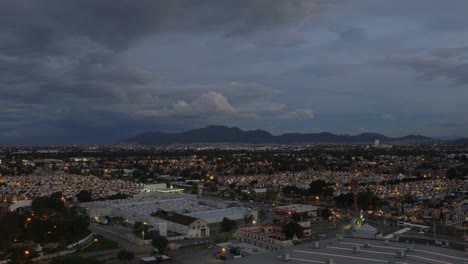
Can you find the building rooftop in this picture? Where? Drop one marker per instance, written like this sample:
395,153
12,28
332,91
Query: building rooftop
342,252
215,216
174,217
297,208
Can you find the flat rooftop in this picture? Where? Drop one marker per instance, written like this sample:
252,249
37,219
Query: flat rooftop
142,207
297,208
215,216
342,253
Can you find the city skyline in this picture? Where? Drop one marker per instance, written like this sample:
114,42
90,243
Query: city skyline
99,71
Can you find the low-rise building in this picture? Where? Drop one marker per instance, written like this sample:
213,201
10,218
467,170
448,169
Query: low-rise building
302,210
185,225
270,237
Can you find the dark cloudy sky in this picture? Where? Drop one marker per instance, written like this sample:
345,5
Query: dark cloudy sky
93,71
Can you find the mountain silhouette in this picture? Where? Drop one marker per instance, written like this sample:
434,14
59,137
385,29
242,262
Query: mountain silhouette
223,134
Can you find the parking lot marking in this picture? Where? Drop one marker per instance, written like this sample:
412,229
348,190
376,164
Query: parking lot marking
367,251
434,260
438,254
307,260
340,256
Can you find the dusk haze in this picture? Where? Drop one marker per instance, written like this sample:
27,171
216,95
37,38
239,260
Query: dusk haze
91,72
233,131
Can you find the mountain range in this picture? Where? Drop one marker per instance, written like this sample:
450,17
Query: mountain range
223,134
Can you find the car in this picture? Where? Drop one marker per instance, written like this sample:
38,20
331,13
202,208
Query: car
403,217
219,255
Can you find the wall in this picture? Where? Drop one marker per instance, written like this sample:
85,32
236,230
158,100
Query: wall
195,229
99,212
154,187
256,236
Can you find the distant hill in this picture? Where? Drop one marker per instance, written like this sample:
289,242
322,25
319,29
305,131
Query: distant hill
223,134
460,141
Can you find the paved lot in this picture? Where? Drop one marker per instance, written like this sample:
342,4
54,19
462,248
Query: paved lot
200,257
116,234
342,252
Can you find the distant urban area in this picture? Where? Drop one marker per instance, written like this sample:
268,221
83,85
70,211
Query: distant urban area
230,131
224,202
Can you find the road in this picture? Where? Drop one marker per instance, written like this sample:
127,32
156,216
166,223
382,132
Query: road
115,233
200,257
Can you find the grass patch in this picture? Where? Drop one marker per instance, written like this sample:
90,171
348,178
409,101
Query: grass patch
101,243
54,250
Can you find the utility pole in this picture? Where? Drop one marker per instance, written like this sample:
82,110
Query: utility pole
355,187
434,224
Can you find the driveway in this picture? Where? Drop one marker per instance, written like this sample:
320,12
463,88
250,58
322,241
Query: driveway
199,257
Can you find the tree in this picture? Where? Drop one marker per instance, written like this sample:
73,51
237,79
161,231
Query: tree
232,186
125,256
75,260
452,173
326,213
344,200
194,188
328,191
56,195
159,242
84,196
253,183
296,217
316,187
464,158
248,218
228,224
139,228
271,194
21,254
409,199
369,200
262,213
43,204
294,191
292,229
212,187
11,225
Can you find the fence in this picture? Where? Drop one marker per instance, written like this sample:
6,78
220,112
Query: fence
175,238
136,240
72,248
81,242
449,242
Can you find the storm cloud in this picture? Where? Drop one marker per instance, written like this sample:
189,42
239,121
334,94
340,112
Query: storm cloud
85,70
